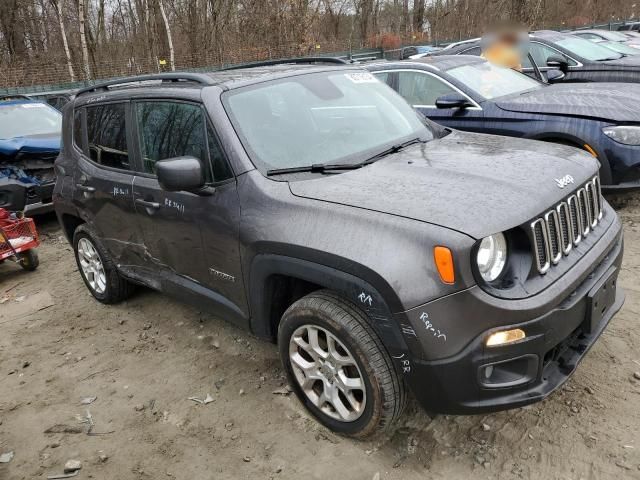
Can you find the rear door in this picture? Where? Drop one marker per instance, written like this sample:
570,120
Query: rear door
193,236
103,178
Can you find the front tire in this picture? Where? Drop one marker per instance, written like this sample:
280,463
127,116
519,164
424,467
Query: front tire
98,269
338,367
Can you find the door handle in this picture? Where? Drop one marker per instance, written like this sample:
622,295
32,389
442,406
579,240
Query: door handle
85,188
146,204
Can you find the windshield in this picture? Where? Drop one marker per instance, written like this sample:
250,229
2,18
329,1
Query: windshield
492,81
25,119
587,49
321,118
614,36
621,48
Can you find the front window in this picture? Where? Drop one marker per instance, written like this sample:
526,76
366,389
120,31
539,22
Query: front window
321,118
586,49
27,119
491,81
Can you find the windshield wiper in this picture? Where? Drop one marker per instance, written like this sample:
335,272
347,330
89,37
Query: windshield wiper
324,167
315,168
390,150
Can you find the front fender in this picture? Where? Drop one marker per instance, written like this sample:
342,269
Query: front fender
353,288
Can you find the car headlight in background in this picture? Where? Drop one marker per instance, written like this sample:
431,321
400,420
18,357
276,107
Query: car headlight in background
492,256
626,135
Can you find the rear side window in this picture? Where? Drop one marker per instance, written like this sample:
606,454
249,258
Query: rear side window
107,135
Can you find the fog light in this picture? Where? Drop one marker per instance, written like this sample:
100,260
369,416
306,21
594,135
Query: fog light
505,337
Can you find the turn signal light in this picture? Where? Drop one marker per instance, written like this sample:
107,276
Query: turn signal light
444,262
506,336
589,149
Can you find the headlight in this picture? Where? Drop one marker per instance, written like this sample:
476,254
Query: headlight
625,135
492,256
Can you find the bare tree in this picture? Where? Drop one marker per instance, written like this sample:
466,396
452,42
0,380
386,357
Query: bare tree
58,6
83,39
169,38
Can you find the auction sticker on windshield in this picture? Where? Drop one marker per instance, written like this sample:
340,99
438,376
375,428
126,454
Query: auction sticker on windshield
361,77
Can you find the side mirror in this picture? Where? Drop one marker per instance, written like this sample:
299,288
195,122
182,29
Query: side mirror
452,100
555,76
558,61
180,174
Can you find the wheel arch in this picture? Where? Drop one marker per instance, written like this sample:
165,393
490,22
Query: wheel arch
277,281
69,224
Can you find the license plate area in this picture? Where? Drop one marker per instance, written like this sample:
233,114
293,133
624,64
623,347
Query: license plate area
601,297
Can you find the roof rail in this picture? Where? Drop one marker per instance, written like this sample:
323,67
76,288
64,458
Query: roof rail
285,61
14,96
163,77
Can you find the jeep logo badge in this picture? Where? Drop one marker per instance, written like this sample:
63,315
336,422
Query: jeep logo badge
564,181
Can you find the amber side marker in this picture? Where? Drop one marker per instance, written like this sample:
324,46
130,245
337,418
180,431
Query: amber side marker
590,150
444,262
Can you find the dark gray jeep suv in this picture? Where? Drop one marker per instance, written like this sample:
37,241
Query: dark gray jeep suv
311,205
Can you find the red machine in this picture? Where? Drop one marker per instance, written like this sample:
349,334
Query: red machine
18,238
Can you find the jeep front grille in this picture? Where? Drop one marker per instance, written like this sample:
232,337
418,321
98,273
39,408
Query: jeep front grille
564,227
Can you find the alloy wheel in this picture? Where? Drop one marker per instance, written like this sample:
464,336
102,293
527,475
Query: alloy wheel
91,265
327,373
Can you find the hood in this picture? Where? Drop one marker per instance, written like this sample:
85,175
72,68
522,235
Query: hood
472,183
627,62
616,102
34,145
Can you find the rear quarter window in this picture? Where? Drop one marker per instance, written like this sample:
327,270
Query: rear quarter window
107,135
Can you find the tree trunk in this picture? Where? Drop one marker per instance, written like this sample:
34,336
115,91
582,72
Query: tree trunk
169,39
83,40
59,7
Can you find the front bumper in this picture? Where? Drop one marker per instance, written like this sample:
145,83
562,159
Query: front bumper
558,336
624,161
32,199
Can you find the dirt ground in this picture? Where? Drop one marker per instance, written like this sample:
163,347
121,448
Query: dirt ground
144,358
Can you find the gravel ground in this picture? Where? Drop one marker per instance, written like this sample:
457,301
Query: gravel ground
143,359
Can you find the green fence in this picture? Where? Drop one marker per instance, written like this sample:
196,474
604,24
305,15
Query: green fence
356,55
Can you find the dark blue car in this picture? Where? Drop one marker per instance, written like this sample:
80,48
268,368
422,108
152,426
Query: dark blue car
469,93
29,144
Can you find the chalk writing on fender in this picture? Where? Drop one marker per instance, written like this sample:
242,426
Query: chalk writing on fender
405,363
431,328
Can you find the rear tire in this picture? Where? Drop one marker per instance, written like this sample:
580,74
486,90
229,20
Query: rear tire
29,260
97,268
348,381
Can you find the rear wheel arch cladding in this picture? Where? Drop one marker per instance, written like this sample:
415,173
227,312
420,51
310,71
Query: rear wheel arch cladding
70,224
348,287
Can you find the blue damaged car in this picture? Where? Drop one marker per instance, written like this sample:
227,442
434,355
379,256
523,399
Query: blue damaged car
29,145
